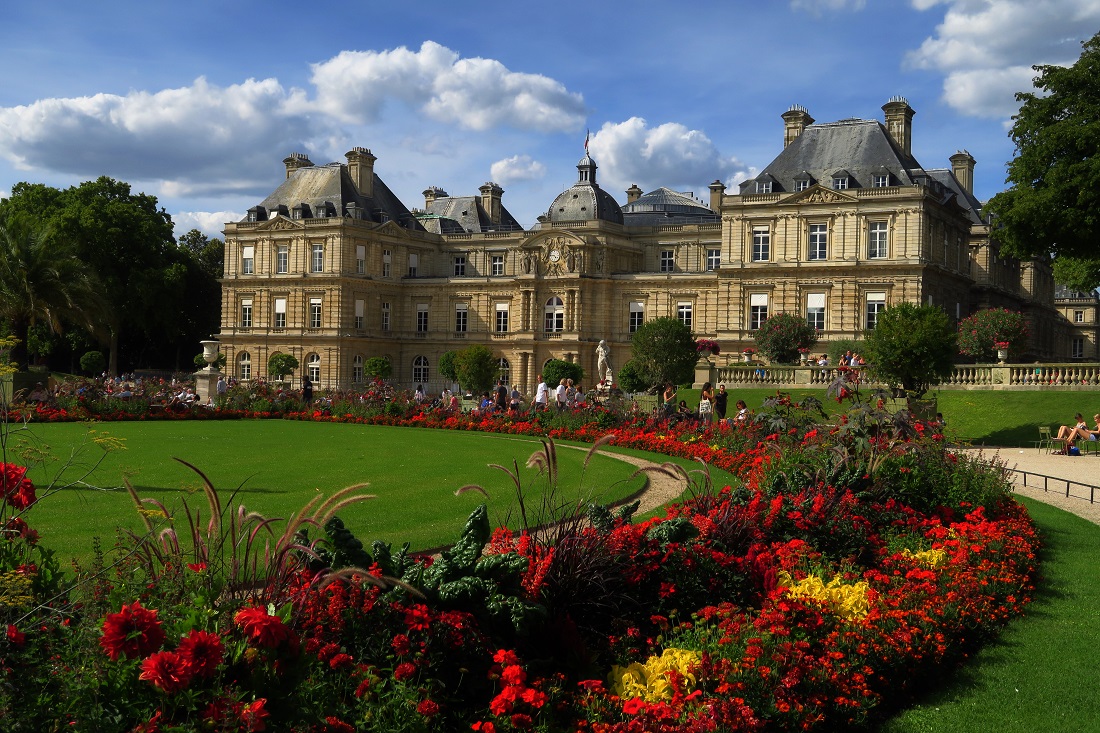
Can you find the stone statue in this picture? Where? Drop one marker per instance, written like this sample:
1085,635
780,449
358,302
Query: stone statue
603,361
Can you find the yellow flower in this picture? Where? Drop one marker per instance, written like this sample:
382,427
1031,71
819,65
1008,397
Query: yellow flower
650,681
929,558
847,600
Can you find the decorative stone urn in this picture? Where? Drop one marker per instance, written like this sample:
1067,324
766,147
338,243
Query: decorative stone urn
1002,355
210,353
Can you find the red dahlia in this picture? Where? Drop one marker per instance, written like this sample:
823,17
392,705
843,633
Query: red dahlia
133,631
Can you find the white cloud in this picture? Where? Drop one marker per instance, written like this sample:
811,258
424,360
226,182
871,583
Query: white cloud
476,93
986,49
667,155
517,168
209,223
817,7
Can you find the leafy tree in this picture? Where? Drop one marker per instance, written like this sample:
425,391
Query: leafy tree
556,370
912,347
980,333
279,365
781,336
840,347
377,367
1077,274
93,362
1052,204
447,366
41,281
663,351
629,380
476,368
208,253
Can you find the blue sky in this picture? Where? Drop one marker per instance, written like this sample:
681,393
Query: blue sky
198,103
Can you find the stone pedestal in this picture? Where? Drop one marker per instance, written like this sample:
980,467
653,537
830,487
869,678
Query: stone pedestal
206,384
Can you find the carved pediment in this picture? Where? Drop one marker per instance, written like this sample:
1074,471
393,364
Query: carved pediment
280,224
392,228
820,195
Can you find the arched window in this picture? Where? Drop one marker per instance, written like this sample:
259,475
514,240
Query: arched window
504,370
555,315
357,369
313,365
420,369
244,366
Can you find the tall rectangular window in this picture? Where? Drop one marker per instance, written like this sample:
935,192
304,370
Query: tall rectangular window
637,316
460,265
317,259
422,318
881,180
462,313
496,265
246,313
684,313
714,259
1078,316
360,313
360,259
815,311
502,318
876,303
819,241
761,244
386,265
282,259
414,264
668,260
280,313
758,310
385,316
314,312
1077,348
876,240
248,260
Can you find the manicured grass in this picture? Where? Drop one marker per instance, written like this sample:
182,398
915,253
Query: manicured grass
1041,674
276,466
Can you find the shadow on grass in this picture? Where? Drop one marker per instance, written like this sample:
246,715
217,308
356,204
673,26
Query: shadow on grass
1019,436
224,493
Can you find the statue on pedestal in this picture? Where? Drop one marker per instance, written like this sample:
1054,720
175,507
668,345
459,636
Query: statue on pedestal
603,362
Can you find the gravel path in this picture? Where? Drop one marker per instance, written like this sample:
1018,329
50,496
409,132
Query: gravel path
1080,497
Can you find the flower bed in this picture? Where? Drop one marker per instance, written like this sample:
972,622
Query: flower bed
849,564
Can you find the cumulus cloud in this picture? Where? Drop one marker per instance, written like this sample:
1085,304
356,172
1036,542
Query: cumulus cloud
475,93
209,223
517,168
986,49
667,155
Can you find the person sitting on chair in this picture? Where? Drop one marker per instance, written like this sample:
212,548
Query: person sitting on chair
1071,434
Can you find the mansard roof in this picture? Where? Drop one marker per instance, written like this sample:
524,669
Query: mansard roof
464,215
585,200
951,186
664,206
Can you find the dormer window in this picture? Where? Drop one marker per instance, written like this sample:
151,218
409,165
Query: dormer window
801,185
257,213
803,181
881,180
840,182
763,186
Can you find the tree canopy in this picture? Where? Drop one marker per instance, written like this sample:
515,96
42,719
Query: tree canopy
981,334
1053,203
476,368
912,347
782,335
663,352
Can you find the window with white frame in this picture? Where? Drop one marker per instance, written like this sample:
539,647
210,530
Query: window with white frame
637,316
282,259
386,264
684,311
840,182
1078,316
758,310
496,265
314,312
244,366
504,370
414,264
763,186
802,184
246,313
357,369
714,259
317,258
462,313
815,311
421,317
420,369
248,259
313,367
360,313
360,259
555,315
877,240
876,303
880,180
280,313
761,244
502,318
668,260
385,316
460,266
1077,348
819,241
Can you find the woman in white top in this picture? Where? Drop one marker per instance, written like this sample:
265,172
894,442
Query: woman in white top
706,402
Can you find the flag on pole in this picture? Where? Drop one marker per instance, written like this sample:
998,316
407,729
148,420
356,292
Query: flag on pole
587,133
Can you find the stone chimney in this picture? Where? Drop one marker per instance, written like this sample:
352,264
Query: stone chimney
490,200
633,193
361,170
431,193
962,165
296,161
795,120
899,122
717,191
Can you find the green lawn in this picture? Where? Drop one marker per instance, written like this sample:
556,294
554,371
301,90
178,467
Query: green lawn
276,466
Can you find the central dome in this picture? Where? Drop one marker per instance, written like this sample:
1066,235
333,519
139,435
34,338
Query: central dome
585,200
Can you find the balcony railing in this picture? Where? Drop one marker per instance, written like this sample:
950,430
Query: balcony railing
1019,377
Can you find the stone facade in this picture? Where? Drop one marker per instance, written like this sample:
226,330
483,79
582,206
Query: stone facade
334,269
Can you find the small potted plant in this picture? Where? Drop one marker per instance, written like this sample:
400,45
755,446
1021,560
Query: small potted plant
803,354
748,353
1002,350
707,346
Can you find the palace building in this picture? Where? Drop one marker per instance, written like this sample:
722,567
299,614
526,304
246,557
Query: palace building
333,268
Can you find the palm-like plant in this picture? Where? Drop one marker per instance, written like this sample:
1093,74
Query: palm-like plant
41,280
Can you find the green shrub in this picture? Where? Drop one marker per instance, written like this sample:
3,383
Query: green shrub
781,336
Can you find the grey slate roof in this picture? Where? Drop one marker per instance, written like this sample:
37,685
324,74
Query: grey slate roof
585,200
464,215
665,206
330,187
965,199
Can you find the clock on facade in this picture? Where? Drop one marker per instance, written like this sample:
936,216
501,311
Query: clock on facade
555,255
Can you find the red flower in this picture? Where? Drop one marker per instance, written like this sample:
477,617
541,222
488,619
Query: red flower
484,727
168,671
203,651
417,618
15,487
513,674
261,627
404,671
633,707
428,708
505,656
253,716
133,631
198,567
15,636
400,645
335,725
522,721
